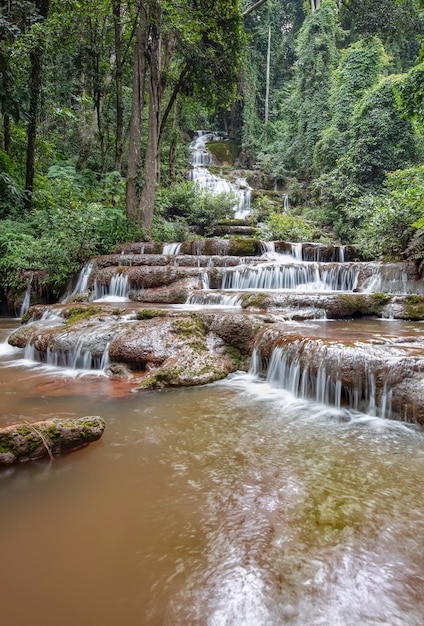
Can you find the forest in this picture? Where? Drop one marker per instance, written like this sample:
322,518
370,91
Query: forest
321,102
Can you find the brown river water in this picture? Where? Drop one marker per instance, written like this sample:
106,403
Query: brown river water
233,504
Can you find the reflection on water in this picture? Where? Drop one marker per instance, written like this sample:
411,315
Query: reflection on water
228,505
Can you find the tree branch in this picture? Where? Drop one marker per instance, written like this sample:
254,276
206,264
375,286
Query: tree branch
253,8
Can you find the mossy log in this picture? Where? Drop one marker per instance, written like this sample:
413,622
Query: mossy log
27,442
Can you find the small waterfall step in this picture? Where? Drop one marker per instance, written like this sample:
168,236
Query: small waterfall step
379,376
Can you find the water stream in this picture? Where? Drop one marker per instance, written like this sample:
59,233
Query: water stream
231,504
201,158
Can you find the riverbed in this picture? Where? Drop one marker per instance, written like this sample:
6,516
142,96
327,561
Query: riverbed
233,504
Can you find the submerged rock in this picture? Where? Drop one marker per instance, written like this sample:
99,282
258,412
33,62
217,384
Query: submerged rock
27,442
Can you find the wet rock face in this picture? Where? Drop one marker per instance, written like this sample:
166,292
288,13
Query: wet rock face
27,442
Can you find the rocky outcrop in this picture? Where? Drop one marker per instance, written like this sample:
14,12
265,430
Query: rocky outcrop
157,348
28,442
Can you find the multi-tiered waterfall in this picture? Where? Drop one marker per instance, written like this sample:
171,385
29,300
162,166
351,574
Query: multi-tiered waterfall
201,158
282,286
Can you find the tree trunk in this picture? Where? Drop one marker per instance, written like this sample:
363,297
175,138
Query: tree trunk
151,165
173,146
116,9
35,87
139,73
7,141
268,68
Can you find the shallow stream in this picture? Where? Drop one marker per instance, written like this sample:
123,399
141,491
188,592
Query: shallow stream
233,504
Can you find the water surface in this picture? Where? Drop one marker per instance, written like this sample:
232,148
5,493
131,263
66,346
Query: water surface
233,504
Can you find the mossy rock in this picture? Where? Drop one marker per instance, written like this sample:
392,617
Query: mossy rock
245,246
414,306
149,314
224,151
26,442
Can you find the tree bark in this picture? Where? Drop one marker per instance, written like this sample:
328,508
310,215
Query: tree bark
137,104
173,146
151,163
116,9
35,88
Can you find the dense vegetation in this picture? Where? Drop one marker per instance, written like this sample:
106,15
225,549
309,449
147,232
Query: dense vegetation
98,99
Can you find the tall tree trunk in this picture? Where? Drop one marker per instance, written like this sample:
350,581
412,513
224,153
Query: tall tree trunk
268,72
35,88
173,146
7,141
116,9
151,165
137,103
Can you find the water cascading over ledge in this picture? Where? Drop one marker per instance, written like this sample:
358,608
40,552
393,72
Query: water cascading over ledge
380,377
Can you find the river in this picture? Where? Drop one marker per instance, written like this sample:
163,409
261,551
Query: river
233,504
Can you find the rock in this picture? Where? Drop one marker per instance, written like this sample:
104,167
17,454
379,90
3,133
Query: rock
27,442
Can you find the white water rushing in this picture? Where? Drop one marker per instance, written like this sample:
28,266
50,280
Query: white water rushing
201,158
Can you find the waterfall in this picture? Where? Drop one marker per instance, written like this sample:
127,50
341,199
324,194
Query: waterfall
200,158
82,282
305,276
214,299
118,288
27,299
171,248
311,371
297,252
90,352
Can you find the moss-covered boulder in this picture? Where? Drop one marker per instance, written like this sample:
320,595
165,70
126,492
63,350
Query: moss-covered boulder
27,442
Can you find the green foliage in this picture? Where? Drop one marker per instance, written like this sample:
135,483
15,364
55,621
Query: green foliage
62,232
360,67
316,59
287,227
186,204
388,224
382,139
410,92
19,249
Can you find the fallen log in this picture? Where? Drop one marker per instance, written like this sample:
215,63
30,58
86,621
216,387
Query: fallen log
28,442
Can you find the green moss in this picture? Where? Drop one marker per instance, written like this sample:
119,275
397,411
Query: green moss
193,325
26,317
235,355
356,305
224,151
413,299
380,300
148,314
243,246
78,313
53,433
414,306
255,300
7,443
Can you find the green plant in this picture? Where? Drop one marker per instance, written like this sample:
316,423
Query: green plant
286,227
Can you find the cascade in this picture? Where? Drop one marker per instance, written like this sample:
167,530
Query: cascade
118,288
201,157
82,282
365,377
171,248
297,276
27,300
